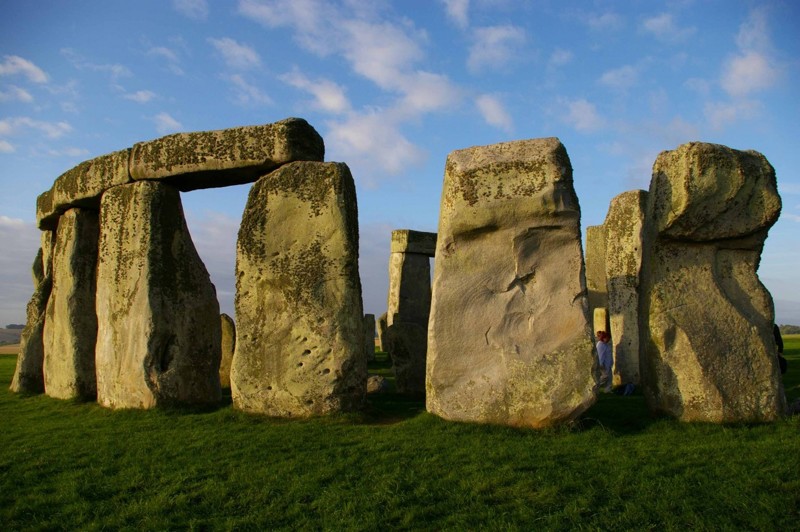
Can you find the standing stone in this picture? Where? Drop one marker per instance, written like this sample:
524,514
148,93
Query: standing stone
228,328
706,318
596,267
382,339
600,320
70,328
300,340
158,338
369,336
409,305
509,338
28,375
623,224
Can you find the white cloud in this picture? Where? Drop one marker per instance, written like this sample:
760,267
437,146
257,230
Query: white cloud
721,114
172,57
6,147
194,9
622,78
792,217
754,32
494,113
748,73
236,56
247,94
560,57
13,64
316,22
329,96
700,86
373,142
140,96
15,93
382,53
664,28
603,21
69,152
166,124
581,114
115,71
494,46
458,12
425,92
53,130
21,241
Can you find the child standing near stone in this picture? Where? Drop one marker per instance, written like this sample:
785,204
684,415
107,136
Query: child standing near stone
605,359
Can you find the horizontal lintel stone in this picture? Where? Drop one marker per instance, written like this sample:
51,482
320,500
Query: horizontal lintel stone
409,241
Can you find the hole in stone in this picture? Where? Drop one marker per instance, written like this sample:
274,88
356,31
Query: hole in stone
326,371
269,388
300,365
309,402
306,352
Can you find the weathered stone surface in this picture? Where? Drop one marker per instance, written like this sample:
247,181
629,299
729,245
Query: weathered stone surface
158,338
707,319
82,186
225,157
600,320
509,339
409,241
624,223
70,328
28,375
228,347
596,266
300,341
382,326
369,336
409,304
376,384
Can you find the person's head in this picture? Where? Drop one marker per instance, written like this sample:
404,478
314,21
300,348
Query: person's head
602,336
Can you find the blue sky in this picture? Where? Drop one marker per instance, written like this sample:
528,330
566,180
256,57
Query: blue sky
393,87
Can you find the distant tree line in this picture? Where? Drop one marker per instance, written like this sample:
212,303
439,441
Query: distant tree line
789,329
14,326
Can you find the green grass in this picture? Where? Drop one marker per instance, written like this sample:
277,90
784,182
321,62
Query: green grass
69,465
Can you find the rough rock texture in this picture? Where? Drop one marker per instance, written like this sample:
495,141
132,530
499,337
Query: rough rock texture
376,384
706,332
28,375
409,241
600,320
624,223
300,340
70,329
82,186
409,304
509,339
228,328
158,338
596,266
225,157
369,336
382,339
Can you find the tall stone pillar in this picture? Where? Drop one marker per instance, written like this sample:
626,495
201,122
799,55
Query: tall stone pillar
228,342
70,329
158,337
509,340
369,336
409,304
596,272
300,340
706,329
623,263
28,375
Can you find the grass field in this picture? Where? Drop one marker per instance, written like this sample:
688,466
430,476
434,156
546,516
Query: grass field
69,465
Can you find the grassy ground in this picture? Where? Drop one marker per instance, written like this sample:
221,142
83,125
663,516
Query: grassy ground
67,465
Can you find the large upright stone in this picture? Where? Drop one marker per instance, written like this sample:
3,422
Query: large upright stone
300,341
596,267
70,328
369,336
228,342
409,305
158,338
225,157
28,375
509,339
706,318
623,224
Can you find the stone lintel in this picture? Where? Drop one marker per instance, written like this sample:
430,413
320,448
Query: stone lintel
410,241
